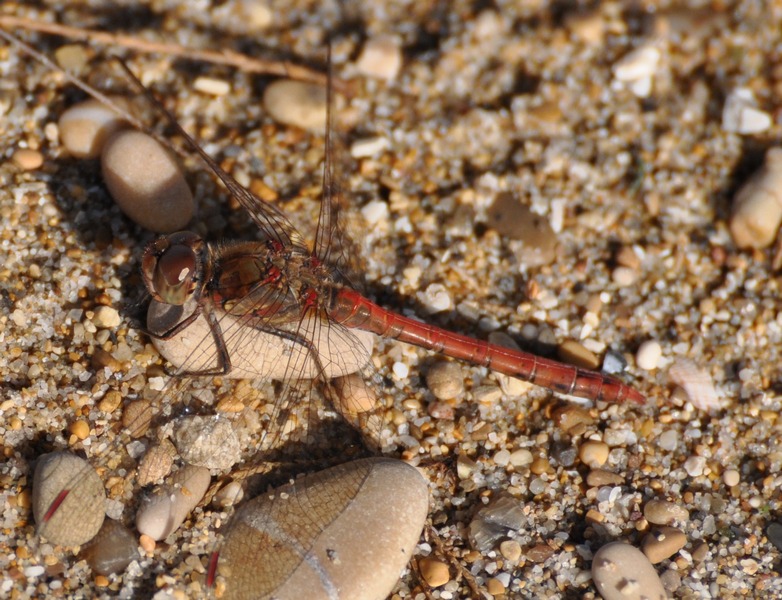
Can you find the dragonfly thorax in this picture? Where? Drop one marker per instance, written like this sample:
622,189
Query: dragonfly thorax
172,267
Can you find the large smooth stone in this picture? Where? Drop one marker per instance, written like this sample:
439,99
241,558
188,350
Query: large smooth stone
69,500
622,572
146,182
346,532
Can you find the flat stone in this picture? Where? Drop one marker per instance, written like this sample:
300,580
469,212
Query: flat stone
69,500
345,532
146,182
112,550
622,572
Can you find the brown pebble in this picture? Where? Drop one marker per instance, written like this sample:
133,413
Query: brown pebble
297,103
495,587
570,417
539,553
147,543
156,463
27,159
511,551
137,417
112,550
577,354
85,127
434,571
600,477
662,512
111,401
663,543
540,465
514,220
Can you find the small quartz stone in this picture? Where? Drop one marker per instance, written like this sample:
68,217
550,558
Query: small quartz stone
592,453
381,58
648,355
146,182
445,380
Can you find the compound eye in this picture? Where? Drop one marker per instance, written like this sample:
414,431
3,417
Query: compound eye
175,273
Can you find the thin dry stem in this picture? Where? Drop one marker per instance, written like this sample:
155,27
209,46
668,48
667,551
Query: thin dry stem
230,58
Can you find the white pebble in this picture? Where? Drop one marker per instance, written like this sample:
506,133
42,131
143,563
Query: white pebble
436,298
375,211
296,103
668,439
85,127
369,147
146,182
731,477
648,355
166,509
401,370
741,115
757,209
381,58
694,466
622,572
639,63
212,86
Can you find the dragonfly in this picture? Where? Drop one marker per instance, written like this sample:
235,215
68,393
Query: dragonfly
282,309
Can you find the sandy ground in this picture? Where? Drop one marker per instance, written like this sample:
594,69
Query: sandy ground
512,99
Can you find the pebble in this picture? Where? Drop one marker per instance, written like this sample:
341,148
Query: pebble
156,463
697,384
85,127
574,353
663,543
637,68
367,147
434,571
512,219
435,298
364,521
381,58
146,182
106,317
27,159
209,442
731,477
81,510
648,355
137,417
511,551
756,212
622,572
521,458
163,511
601,477
296,103
230,494
694,465
774,533
592,453
662,512
212,86
80,428
112,550
511,386
505,514
741,114
445,380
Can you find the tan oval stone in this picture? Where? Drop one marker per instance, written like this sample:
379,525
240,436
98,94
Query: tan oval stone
592,453
85,127
346,532
166,509
146,182
663,543
434,571
296,103
622,572
662,512
69,501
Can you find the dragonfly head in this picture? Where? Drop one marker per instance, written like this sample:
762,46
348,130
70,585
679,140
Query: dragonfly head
171,267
